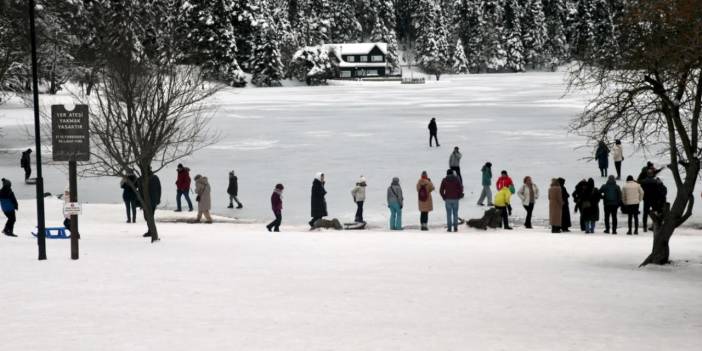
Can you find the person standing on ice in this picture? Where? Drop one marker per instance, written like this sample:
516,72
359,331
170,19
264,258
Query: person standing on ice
395,203
645,171
318,202
502,203
129,196
590,206
277,207
632,195
486,193
611,198
555,206
602,157
26,163
433,131
578,198
528,193
455,163
359,197
504,181
233,191
9,205
183,187
450,190
426,204
204,199
618,157
566,223
154,193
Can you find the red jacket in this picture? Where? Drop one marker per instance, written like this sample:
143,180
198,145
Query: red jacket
504,181
183,181
276,203
451,188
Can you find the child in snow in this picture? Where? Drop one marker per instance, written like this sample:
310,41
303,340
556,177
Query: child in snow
277,207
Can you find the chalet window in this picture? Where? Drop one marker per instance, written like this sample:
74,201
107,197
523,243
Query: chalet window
350,58
377,58
372,73
346,74
364,58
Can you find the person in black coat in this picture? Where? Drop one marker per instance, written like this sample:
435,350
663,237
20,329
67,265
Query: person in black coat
433,129
129,196
154,193
578,196
26,163
319,204
233,191
590,206
565,215
9,205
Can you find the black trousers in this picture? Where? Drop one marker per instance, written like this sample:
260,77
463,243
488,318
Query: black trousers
359,211
11,220
633,213
314,219
603,172
618,167
530,209
424,217
504,215
27,172
611,211
457,170
647,206
433,135
130,205
276,223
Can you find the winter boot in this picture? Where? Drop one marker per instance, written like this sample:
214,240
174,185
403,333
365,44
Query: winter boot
240,206
231,205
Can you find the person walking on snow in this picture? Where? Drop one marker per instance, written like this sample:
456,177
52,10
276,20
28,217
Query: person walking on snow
26,163
183,187
450,190
277,207
528,193
502,203
611,198
359,197
9,205
566,222
128,183
486,193
618,157
632,195
426,204
432,132
602,157
455,163
555,206
395,203
233,191
204,200
318,203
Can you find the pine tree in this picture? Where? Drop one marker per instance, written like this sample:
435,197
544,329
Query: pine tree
266,66
512,27
605,47
459,61
493,56
534,33
556,45
432,45
383,32
468,25
583,29
345,28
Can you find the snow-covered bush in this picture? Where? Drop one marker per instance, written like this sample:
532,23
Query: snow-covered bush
312,64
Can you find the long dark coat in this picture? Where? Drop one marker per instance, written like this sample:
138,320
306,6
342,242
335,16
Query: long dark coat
590,204
565,217
319,204
233,188
154,190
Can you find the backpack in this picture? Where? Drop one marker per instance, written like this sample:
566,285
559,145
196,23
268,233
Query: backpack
423,194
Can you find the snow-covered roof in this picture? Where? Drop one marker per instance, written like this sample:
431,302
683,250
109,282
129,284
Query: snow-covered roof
356,48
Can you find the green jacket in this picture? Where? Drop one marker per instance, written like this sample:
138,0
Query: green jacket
487,176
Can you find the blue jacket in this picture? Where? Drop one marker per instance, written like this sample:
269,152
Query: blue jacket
8,202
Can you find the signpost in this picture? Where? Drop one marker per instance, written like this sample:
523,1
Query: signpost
71,142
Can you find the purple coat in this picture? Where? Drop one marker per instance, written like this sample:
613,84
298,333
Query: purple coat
276,202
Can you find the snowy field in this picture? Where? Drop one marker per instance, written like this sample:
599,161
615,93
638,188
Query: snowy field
233,287
516,121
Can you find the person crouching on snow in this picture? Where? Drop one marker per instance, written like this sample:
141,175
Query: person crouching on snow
277,207
359,196
204,201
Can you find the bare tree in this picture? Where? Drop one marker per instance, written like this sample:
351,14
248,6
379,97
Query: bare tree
145,117
652,95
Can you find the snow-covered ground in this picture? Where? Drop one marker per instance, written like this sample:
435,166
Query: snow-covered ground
517,121
231,286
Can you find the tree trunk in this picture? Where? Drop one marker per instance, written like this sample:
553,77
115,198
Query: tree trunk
660,254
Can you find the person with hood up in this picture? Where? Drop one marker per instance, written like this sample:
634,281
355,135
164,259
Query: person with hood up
433,129
233,191
9,205
318,202
183,187
502,202
566,223
578,198
632,195
602,157
129,195
618,157
277,207
26,163
204,200
426,204
528,193
612,199
649,167
651,195
486,193
555,206
450,190
590,206
395,203
359,197
455,163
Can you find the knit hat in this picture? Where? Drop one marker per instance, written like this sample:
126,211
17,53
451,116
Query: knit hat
279,186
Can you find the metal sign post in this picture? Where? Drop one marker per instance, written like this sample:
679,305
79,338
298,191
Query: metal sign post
71,142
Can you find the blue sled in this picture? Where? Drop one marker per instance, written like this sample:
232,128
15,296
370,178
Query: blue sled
55,233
